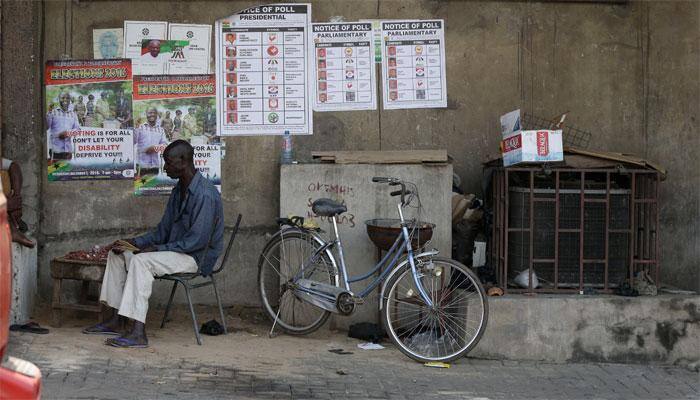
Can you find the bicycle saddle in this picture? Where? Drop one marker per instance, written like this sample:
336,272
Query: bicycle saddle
327,208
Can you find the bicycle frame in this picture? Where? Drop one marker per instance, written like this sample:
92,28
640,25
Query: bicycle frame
402,242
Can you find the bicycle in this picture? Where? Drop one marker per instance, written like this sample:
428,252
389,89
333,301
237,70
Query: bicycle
433,308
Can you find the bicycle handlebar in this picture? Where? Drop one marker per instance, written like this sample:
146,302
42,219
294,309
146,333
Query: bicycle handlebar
394,182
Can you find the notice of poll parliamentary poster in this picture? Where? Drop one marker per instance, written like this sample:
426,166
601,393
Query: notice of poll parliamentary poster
262,71
88,115
377,38
168,108
107,43
413,64
196,54
344,72
135,32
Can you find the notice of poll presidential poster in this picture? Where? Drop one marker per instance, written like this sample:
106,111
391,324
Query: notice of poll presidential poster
344,72
263,76
168,108
196,54
413,64
135,32
88,117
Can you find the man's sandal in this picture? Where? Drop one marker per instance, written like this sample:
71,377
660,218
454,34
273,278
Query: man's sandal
125,343
99,329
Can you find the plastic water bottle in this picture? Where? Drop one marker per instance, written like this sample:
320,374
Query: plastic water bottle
287,153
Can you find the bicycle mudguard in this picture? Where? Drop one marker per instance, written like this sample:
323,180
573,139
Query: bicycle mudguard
294,221
397,269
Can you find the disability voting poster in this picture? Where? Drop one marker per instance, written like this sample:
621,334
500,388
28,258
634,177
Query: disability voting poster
88,116
413,64
344,73
168,108
263,77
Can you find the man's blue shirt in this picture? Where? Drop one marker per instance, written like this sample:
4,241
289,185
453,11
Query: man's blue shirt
186,226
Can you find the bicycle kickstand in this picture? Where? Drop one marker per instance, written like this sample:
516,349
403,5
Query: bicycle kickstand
272,330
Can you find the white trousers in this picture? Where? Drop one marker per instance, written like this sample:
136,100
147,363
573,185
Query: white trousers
129,277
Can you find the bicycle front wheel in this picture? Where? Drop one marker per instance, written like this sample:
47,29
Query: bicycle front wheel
449,329
280,263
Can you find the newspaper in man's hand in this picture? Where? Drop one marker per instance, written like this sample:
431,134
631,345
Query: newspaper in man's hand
124,245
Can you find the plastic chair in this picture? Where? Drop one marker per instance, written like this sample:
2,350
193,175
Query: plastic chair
186,278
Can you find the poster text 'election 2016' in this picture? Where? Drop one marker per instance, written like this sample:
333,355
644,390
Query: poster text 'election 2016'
262,74
168,108
88,116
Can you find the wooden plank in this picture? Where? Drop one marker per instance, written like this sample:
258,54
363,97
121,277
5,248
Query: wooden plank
83,272
621,157
80,262
383,157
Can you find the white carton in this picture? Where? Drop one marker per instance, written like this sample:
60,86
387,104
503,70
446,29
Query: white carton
533,146
510,123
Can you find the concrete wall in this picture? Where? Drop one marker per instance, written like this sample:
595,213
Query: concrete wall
304,183
626,72
24,283
672,114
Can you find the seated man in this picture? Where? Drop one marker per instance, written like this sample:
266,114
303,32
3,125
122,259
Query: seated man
177,245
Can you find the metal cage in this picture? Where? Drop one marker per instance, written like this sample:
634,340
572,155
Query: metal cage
576,228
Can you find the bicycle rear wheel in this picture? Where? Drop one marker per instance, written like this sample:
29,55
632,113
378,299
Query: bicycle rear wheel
279,263
446,331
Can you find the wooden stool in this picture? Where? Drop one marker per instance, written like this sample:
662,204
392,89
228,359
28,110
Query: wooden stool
85,271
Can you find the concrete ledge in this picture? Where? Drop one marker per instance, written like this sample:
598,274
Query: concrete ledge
663,329
24,282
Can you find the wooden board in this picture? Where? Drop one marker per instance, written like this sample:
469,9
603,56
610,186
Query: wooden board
382,157
621,157
80,262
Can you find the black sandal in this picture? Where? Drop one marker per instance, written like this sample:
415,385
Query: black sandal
31,327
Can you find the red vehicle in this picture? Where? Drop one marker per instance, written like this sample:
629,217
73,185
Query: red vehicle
19,379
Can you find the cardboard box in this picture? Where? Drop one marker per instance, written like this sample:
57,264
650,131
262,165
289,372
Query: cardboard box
532,146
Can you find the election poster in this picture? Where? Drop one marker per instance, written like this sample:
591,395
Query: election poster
168,108
344,72
135,32
161,57
88,116
197,52
207,160
107,43
263,77
413,64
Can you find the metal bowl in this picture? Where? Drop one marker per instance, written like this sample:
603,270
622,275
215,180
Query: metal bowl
384,231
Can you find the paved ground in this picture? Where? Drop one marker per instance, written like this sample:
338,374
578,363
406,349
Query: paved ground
246,364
